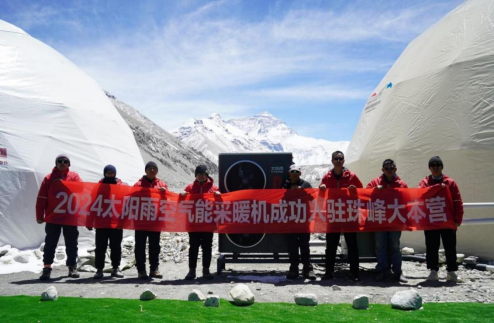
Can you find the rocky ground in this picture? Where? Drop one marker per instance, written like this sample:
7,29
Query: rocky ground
267,281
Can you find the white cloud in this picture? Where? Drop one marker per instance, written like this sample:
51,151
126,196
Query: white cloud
315,93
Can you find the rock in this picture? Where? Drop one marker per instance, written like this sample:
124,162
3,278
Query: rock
210,293
87,261
471,260
212,301
38,253
196,296
460,257
147,295
87,269
42,247
305,299
406,300
242,295
49,294
442,252
407,251
361,302
22,258
336,288
442,259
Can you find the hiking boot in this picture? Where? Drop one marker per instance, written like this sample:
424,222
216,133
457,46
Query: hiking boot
155,274
191,274
401,278
207,274
381,276
46,274
142,274
73,273
327,276
433,276
99,274
117,273
292,275
452,277
309,274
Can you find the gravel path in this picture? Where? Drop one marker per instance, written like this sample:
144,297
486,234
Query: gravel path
267,282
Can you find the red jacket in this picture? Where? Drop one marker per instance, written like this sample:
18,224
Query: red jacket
453,190
347,178
206,187
395,183
56,175
156,183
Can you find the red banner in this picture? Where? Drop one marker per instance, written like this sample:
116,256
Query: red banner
250,211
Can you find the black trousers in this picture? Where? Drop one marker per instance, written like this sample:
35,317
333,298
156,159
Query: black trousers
102,236
154,249
332,241
298,241
432,243
70,235
204,240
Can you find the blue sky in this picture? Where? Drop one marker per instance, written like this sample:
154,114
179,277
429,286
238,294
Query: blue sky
312,64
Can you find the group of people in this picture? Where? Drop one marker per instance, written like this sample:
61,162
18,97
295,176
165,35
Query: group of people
387,244
388,251
113,237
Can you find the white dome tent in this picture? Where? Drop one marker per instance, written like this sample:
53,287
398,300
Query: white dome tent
438,99
47,107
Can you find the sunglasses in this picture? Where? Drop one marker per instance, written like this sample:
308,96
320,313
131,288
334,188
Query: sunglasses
436,165
62,161
338,158
294,172
389,168
201,174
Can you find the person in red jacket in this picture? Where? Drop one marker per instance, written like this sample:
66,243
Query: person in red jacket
114,235
150,181
341,177
388,240
203,184
448,236
70,233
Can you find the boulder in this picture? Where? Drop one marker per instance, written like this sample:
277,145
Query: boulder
87,269
22,258
361,302
471,260
306,299
212,301
242,295
460,257
49,294
406,300
407,251
196,295
147,295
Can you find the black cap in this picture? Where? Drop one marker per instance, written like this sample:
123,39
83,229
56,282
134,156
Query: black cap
201,169
150,164
436,159
109,168
389,161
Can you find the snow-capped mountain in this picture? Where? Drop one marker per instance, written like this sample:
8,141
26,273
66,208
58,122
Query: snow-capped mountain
261,133
176,162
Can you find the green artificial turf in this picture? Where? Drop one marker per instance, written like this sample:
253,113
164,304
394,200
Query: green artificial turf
68,309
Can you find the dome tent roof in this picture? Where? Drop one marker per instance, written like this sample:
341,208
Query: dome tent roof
437,99
49,106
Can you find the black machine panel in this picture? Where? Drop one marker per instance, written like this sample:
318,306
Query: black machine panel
239,171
